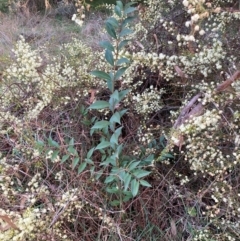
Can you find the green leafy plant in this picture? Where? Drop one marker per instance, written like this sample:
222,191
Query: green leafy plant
124,176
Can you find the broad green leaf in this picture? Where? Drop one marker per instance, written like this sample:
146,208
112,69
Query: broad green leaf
129,10
90,152
110,85
100,124
108,161
112,190
89,161
52,143
64,158
117,10
133,165
113,101
71,142
102,145
125,31
127,180
113,22
106,45
139,173
115,135
123,93
120,72
120,5
40,144
144,183
128,20
115,118
123,43
81,167
109,57
54,155
109,179
100,74
129,4
148,160
110,30
123,61
100,104
122,112
134,187
127,196
72,150
115,95
75,162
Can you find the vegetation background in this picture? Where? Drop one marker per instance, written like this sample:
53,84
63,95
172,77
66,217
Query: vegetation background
119,120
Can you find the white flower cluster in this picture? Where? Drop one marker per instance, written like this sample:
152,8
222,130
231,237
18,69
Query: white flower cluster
148,102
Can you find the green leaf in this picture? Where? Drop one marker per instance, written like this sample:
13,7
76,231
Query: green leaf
75,162
100,104
127,179
52,143
54,155
115,118
125,31
90,152
113,22
129,10
115,135
110,30
127,197
64,158
144,183
120,72
129,4
128,20
101,74
133,165
81,167
139,173
122,112
89,161
120,5
123,43
134,187
148,160
112,190
123,93
123,61
40,144
117,10
71,142
106,45
109,179
100,124
108,161
102,145
72,150
110,85
115,95
109,57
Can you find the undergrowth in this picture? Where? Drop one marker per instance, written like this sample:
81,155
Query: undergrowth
134,138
